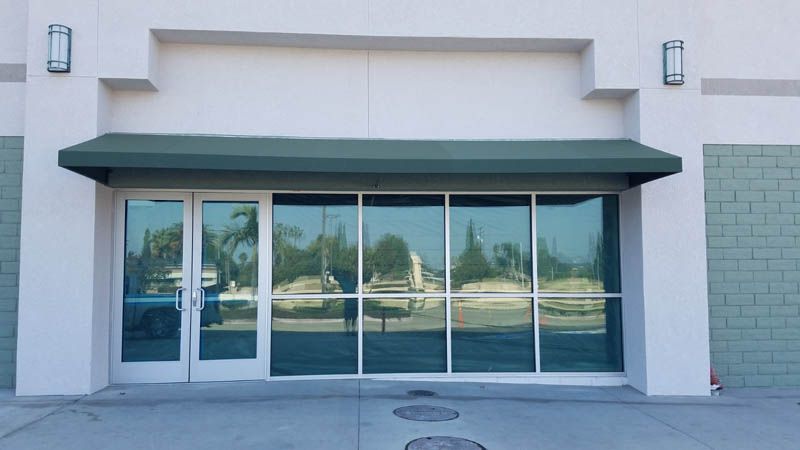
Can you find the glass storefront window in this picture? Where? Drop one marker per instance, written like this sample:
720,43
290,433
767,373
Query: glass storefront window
314,244
151,326
314,337
580,334
577,243
490,243
404,292
405,335
492,335
403,243
229,275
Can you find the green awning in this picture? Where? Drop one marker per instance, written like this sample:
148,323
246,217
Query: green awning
158,160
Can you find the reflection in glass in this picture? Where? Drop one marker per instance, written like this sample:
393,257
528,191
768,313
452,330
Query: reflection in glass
404,335
314,337
490,243
577,243
492,335
151,326
403,243
314,244
229,276
580,334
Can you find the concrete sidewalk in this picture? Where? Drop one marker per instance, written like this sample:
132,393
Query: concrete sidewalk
352,414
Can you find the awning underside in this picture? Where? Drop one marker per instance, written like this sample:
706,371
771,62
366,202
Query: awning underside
183,161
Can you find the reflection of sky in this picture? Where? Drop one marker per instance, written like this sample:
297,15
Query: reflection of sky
570,226
309,220
153,215
493,225
422,227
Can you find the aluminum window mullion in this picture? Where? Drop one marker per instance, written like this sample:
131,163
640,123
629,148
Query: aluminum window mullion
448,299
312,296
579,295
360,285
267,259
405,295
535,288
491,294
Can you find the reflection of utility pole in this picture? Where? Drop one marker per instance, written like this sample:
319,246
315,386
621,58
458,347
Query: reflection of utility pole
324,250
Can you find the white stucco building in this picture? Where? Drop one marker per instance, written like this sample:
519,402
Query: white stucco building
511,147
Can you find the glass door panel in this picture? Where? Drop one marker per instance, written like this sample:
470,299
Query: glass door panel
226,294
151,307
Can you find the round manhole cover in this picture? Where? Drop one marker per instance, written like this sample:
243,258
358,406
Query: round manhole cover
421,393
426,413
443,443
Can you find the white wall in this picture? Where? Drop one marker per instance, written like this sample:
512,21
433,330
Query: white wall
751,39
63,308
258,90
12,109
13,30
333,93
484,95
13,38
669,308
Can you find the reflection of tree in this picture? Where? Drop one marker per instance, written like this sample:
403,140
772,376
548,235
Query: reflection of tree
241,233
334,256
471,265
167,243
148,270
389,258
327,254
547,264
510,261
553,267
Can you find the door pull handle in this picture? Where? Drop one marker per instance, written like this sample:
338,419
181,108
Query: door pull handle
179,299
202,301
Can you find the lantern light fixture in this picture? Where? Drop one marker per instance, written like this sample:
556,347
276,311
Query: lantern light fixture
59,41
673,62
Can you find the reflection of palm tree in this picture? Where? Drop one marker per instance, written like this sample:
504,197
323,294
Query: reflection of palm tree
167,243
245,233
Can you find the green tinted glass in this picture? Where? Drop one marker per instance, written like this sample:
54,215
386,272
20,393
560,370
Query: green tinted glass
314,337
403,243
580,334
492,335
404,335
151,325
314,244
229,276
577,243
490,243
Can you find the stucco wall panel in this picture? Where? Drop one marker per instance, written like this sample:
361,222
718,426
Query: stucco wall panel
747,39
472,95
328,93
250,91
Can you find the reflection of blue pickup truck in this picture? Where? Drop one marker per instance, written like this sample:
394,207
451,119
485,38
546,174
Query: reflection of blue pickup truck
156,316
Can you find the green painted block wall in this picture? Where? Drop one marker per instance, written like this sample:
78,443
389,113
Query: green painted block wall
10,197
753,230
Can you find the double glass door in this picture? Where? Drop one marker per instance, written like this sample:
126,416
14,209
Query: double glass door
188,305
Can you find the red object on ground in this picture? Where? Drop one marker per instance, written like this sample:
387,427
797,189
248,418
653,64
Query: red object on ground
716,384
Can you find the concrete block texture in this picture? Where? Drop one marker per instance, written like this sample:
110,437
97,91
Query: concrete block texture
11,182
753,231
